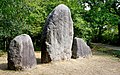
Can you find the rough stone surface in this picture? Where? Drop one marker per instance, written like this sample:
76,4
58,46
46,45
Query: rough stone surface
57,35
80,48
21,53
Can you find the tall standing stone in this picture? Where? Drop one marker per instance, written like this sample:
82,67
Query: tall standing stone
21,53
80,48
57,35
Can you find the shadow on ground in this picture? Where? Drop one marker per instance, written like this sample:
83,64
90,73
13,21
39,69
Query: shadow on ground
3,66
38,60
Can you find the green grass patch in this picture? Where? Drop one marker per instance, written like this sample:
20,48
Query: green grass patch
115,53
103,50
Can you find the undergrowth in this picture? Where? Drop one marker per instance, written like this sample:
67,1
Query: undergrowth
98,49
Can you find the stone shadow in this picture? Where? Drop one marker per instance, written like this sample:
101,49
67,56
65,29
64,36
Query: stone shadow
3,66
38,61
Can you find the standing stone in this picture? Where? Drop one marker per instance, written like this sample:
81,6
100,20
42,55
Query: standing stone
80,48
57,35
21,53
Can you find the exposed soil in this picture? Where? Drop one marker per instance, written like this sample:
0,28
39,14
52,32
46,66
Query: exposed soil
96,65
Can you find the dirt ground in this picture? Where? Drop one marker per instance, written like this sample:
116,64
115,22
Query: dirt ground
96,65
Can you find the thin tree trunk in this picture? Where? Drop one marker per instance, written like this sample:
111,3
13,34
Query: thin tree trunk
5,45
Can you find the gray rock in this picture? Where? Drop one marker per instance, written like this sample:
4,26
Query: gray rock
21,53
57,35
80,48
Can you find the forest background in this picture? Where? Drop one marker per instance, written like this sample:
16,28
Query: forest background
94,20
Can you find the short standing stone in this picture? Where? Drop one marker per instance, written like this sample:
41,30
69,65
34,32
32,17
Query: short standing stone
57,35
80,48
21,53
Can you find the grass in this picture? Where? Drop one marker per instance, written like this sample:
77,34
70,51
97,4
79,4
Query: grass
103,50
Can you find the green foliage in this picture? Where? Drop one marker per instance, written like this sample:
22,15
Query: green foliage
103,18
110,36
36,18
13,14
28,16
115,53
12,21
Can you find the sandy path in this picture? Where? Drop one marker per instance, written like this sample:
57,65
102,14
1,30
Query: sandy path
97,65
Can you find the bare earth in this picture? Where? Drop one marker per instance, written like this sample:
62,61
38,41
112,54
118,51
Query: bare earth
96,65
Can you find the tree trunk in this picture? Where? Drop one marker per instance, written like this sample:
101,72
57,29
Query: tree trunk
100,33
5,45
